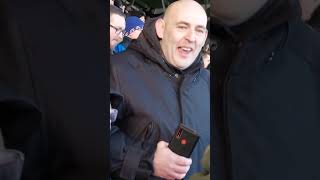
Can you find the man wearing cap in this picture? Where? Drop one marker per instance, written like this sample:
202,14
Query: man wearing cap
163,83
134,27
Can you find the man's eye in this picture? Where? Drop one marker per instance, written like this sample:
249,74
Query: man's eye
200,31
182,27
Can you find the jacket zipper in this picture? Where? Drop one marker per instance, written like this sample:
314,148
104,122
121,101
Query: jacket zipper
179,100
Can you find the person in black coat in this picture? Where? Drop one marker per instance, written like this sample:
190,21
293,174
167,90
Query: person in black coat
266,86
53,87
163,83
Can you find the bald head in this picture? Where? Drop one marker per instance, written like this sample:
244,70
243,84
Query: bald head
235,12
186,6
182,32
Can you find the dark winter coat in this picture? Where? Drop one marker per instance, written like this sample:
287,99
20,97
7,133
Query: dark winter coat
158,95
53,87
267,97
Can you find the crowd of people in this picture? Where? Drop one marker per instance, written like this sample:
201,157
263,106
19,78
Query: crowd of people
125,26
131,29
264,90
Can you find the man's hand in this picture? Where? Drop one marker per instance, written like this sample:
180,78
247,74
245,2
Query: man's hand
169,165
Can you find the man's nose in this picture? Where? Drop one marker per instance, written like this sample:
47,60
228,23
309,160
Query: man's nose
121,35
191,36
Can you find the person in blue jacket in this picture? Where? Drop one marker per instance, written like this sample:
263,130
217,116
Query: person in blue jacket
134,27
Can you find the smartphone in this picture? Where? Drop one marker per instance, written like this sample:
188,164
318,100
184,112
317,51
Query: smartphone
183,141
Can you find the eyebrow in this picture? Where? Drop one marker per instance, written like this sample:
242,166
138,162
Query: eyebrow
118,27
188,24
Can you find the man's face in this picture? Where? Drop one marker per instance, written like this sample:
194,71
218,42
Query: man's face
183,35
117,24
206,59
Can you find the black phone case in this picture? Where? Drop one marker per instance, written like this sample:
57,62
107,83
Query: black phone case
183,141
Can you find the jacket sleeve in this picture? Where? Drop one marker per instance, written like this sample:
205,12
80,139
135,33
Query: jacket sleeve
132,141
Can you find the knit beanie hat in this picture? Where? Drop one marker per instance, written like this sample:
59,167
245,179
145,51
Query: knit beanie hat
133,23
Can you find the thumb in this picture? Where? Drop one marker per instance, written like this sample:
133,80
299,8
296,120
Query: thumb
162,144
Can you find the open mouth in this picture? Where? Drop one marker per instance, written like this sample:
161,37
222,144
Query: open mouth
184,51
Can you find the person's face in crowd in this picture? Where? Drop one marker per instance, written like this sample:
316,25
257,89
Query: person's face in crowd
117,25
123,8
135,34
206,55
206,59
308,7
143,18
182,32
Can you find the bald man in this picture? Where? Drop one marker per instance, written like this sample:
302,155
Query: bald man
266,89
163,82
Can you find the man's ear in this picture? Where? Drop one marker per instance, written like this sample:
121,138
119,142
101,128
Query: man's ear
160,27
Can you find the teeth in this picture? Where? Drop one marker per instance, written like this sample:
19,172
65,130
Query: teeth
186,49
